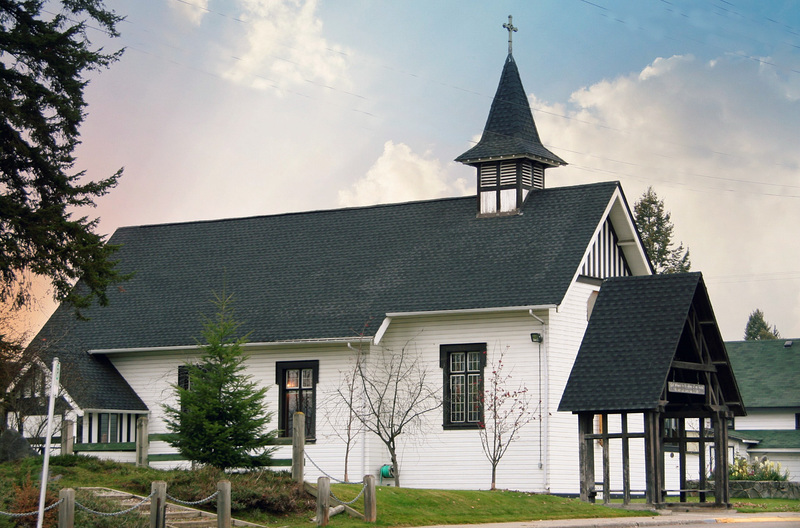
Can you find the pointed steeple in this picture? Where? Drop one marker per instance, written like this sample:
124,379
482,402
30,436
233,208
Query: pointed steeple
510,131
510,157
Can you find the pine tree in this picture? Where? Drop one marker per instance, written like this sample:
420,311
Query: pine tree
656,229
221,418
45,55
758,329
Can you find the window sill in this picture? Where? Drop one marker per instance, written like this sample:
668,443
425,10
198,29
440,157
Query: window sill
460,427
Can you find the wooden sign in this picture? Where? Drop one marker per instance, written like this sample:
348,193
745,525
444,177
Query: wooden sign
686,388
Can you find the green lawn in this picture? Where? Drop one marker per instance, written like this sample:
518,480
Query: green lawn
272,499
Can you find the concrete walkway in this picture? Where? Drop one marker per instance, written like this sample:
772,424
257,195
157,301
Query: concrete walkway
666,518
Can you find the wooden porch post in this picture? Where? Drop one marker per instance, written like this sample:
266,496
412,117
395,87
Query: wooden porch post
142,441
651,465
586,450
682,456
702,461
626,466
720,459
606,461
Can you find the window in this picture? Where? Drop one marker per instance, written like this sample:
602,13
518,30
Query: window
297,381
107,428
463,366
184,380
797,421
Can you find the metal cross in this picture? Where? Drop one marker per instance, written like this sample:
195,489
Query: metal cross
510,27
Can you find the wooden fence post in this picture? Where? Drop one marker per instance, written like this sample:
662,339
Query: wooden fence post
298,446
158,505
142,441
224,504
66,510
67,438
323,500
370,499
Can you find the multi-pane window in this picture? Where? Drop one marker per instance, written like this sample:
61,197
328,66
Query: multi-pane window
297,381
463,384
108,428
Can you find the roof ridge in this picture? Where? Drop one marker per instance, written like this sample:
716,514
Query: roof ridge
297,213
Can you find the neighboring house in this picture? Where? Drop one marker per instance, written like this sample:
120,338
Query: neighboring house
768,373
447,279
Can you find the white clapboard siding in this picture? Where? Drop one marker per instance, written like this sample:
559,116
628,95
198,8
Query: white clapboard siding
453,459
567,326
766,419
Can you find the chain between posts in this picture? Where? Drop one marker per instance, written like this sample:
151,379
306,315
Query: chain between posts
193,503
340,501
18,515
327,475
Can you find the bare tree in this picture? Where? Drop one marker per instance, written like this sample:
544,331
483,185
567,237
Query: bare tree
344,399
395,394
506,411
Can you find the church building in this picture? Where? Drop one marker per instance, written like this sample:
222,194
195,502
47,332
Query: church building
454,283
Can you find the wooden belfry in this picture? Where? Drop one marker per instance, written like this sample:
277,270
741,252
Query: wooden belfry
652,348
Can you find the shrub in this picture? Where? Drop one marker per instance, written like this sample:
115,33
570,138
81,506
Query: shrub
759,469
268,491
26,500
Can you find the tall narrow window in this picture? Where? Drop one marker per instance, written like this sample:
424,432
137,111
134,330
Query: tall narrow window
297,381
463,366
108,428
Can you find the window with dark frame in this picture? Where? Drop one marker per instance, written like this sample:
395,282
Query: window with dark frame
297,382
463,367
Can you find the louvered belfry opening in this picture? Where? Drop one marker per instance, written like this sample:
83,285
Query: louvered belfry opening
504,185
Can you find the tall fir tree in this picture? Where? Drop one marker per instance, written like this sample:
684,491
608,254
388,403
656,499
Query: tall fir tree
758,329
45,56
221,418
655,226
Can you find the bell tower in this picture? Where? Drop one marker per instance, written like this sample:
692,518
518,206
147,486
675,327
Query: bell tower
510,158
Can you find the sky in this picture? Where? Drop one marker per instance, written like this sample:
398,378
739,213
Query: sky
231,108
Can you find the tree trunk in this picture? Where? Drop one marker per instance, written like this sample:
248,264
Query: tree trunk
494,476
396,467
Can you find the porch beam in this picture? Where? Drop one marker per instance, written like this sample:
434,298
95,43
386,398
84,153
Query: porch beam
686,365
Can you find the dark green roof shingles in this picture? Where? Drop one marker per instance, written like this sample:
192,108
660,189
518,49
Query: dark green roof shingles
768,373
325,274
770,439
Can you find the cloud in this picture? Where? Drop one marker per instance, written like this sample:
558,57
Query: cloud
282,47
400,175
194,11
717,140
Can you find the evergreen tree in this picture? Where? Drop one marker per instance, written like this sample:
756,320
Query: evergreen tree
758,329
656,228
45,54
221,416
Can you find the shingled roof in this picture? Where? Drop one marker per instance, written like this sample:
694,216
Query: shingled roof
510,130
766,440
638,327
767,371
324,274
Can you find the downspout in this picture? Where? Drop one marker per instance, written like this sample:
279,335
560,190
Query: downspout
363,430
544,406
